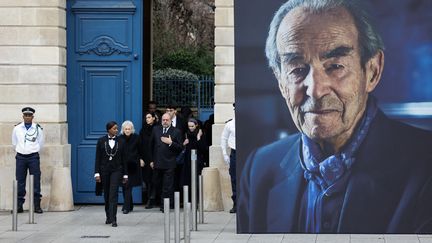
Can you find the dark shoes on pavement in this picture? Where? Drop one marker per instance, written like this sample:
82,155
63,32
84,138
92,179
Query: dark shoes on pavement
148,206
233,210
113,223
125,211
38,210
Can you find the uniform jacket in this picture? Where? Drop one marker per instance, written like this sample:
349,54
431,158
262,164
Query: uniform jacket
163,155
389,189
27,141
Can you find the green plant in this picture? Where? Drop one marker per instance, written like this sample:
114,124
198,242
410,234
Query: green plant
198,61
174,74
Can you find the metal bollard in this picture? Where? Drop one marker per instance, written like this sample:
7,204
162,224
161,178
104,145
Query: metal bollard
185,215
177,217
167,220
201,199
194,189
187,223
15,206
31,197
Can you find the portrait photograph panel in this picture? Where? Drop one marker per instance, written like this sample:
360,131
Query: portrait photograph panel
334,116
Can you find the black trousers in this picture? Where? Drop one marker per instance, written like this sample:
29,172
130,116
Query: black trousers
111,182
166,176
127,197
232,172
31,163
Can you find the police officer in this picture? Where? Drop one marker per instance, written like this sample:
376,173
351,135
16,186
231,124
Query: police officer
27,140
228,140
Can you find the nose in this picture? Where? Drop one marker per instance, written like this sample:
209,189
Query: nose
317,83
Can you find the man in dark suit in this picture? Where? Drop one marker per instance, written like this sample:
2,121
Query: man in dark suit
165,144
350,169
177,120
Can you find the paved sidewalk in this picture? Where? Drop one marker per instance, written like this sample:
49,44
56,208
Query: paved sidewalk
86,224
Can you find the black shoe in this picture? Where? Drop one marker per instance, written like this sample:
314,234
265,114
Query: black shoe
161,209
148,206
108,221
38,210
125,211
19,210
233,210
114,224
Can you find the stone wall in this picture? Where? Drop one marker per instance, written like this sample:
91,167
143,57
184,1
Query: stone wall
33,73
224,90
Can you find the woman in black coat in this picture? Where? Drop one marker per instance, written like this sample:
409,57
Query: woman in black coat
110,167
194,139
132,156
146,170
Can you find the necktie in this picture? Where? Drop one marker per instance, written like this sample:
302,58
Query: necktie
164,130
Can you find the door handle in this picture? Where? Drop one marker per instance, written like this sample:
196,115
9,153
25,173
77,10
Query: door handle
136,56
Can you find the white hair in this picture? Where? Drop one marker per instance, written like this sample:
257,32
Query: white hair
127,124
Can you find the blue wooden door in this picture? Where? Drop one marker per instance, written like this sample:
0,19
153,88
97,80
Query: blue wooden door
104,40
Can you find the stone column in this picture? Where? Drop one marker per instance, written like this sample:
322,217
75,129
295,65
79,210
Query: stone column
33,73
224,95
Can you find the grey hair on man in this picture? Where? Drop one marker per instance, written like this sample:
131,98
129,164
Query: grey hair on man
369,40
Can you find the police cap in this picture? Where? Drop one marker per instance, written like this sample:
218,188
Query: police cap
28,110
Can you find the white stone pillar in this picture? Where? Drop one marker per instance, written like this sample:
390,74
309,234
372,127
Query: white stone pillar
33,73
224,97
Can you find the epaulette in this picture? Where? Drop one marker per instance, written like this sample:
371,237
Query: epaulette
228,120
39,126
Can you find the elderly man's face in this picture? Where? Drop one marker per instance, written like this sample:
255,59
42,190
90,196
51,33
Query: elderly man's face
166,120
321,77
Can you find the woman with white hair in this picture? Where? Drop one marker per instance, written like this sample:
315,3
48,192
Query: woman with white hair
132,156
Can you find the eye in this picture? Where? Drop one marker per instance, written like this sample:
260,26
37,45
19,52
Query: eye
335,66
299,72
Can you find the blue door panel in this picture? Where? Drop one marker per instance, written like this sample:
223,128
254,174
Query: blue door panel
86,156
104,80
93,37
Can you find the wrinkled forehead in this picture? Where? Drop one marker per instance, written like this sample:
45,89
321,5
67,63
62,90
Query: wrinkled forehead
304,29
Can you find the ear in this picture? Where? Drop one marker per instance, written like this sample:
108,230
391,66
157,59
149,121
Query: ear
374,68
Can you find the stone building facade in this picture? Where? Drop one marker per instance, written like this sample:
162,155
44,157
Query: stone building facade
33,73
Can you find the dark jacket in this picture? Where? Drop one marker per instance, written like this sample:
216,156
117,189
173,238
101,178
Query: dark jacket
163,155
102,162
201,149
145,137
132,155
389,189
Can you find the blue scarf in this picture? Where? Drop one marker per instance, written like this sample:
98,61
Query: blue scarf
326,176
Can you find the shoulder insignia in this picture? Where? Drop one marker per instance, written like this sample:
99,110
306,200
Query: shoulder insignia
39,126
228,120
